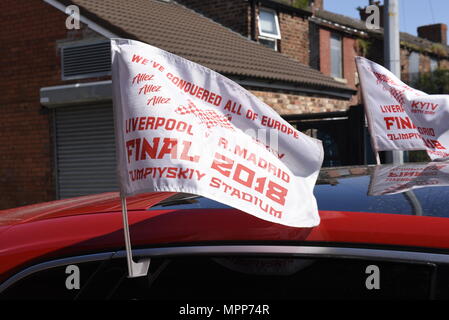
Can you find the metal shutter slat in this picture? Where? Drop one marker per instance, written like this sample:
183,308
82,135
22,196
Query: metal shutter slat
85,150
86,60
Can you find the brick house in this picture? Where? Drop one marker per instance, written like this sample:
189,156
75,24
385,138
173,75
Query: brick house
336,40
324,40
275,24
419,54
279,26
328,42
291,30
335,47
56,87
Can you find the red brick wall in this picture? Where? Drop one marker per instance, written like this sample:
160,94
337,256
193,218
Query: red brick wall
444,64
349,52
28,61
424,63
404,64
234,14
349,68
295,36
325,50
285,102
434,32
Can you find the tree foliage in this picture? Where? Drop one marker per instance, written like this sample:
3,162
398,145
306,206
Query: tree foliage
300,4
436,82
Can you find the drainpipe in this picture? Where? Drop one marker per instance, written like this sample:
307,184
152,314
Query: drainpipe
253,23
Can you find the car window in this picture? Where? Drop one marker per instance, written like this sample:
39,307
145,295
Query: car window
50,283
240,277
182,201
351,194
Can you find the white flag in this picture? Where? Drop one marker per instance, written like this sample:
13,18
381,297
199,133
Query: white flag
391,179
400,117
185,128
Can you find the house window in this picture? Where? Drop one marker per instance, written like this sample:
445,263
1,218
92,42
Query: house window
270,43
413,66
336,56
433,64
269,31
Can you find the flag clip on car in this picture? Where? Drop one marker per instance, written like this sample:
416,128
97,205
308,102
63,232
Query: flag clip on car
178,129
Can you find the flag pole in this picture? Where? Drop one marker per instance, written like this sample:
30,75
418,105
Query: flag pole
392,57
377,158
135,269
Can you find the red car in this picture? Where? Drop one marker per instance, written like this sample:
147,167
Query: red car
367,246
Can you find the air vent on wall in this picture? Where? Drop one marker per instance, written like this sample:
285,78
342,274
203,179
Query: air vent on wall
86,60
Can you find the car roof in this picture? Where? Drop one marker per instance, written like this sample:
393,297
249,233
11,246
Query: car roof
349,188
96,203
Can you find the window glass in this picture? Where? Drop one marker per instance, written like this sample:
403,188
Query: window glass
268,25
270,43
52,283
336,56
413,66
433,64
240,277
183,201
243,277
331,154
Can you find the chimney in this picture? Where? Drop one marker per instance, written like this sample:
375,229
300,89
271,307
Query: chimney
364,15
434,32
316,4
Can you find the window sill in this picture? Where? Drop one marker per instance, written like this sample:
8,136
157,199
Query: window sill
342,80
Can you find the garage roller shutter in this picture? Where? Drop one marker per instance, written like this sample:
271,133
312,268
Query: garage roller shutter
85,150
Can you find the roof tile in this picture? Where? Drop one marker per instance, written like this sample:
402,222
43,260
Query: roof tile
361,26
184,32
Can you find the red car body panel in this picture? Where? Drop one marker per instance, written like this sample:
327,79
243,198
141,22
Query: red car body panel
104,202
93,224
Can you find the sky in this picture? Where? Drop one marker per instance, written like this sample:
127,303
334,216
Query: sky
412,13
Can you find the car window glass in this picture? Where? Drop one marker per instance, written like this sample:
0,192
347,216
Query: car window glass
239,277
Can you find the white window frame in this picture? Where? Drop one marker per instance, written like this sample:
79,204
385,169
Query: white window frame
341,67
432,61
270,39
276,20
413,76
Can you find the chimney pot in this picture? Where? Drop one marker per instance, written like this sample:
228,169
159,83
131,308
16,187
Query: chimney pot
434,32
316,4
